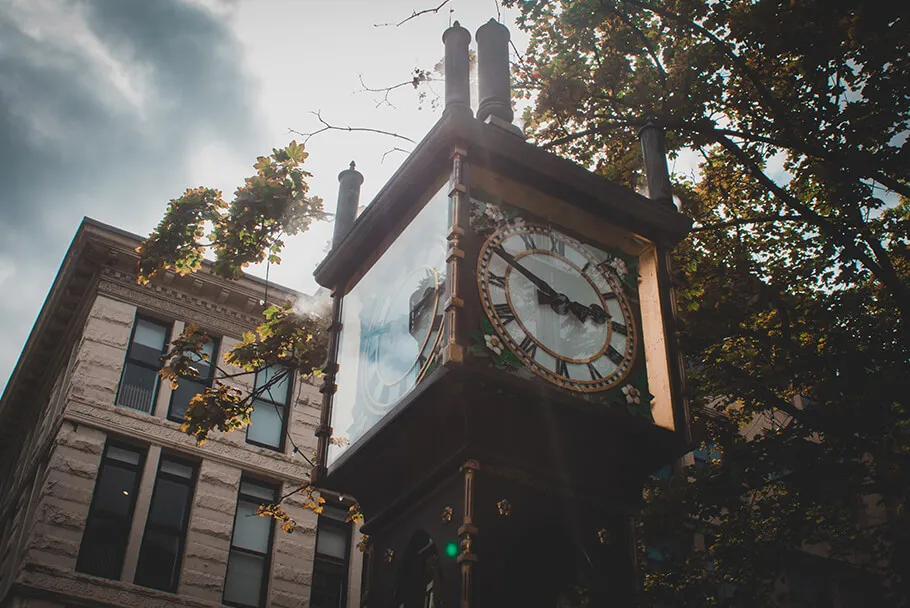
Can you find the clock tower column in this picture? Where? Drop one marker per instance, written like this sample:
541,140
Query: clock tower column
503,374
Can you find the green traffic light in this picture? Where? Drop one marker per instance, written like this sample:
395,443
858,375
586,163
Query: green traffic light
452,549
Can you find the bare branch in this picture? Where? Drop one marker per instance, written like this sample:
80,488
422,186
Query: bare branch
330,127
387,152
414,15
420,76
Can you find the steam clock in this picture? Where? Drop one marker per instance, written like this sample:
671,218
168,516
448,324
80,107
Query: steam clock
503,372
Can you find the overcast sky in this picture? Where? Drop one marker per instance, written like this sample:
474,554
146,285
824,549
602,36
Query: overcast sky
109,108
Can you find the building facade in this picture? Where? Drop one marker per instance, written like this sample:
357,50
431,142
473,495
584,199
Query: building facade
105,502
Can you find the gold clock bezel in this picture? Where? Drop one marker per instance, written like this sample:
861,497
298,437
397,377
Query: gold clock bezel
483,286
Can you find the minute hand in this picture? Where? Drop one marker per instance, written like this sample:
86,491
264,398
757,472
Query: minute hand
538,282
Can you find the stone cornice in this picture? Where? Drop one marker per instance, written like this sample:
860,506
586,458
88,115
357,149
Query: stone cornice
64,586
177,304
260,461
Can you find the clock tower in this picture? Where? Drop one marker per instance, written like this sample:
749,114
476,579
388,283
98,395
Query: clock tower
503,372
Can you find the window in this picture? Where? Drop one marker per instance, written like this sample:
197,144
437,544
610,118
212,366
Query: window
107,528
190,387
330,565
165,529
251,545
270,409
139,383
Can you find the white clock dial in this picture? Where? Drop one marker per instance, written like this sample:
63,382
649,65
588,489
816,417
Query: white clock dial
557,306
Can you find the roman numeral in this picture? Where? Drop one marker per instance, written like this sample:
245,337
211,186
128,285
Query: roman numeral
614,355
609,295
497,280
585,267
528,240
562,368
618,328
557,246
529,346
504,312
595,375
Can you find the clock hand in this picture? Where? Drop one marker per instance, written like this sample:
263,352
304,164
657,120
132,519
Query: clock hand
539,283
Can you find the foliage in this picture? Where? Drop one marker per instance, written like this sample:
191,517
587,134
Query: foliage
794,288
270,205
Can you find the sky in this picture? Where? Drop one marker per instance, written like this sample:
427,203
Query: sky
110,108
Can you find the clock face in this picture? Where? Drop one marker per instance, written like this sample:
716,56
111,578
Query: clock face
558,306
401,333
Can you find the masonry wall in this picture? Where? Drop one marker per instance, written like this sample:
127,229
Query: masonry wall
81,415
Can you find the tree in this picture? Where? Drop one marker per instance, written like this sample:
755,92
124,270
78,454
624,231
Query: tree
795,284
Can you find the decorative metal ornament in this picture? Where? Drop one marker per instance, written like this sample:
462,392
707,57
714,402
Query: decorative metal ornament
603,536
389,556
364,542
505,507
447,515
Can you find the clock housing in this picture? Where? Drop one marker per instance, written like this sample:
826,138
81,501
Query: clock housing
392,322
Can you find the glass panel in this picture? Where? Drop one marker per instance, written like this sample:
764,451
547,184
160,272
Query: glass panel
148,341
392,320
177,469
158,560
251,531
180,398
137,388
169,504
328,585
266,424
257,490
278,392
123,455
332,541
113,494
243,583
103,546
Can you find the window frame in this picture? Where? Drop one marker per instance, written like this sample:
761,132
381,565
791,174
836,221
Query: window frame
192,482
267,556
206,383
285,416
168,329
329,560
94,512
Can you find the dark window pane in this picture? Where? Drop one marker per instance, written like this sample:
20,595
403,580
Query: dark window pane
107,527
159,560
137,389
266,424
328,585
170,503
103,547
243,584
180,398
113,492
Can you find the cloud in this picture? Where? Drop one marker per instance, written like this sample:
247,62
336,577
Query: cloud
102,106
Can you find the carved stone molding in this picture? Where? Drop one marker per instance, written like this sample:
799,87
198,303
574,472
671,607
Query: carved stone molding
162,432
178,304
65,585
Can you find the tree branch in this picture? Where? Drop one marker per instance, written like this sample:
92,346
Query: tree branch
414,15
330,127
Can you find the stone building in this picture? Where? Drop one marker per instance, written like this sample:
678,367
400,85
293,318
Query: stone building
105,502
